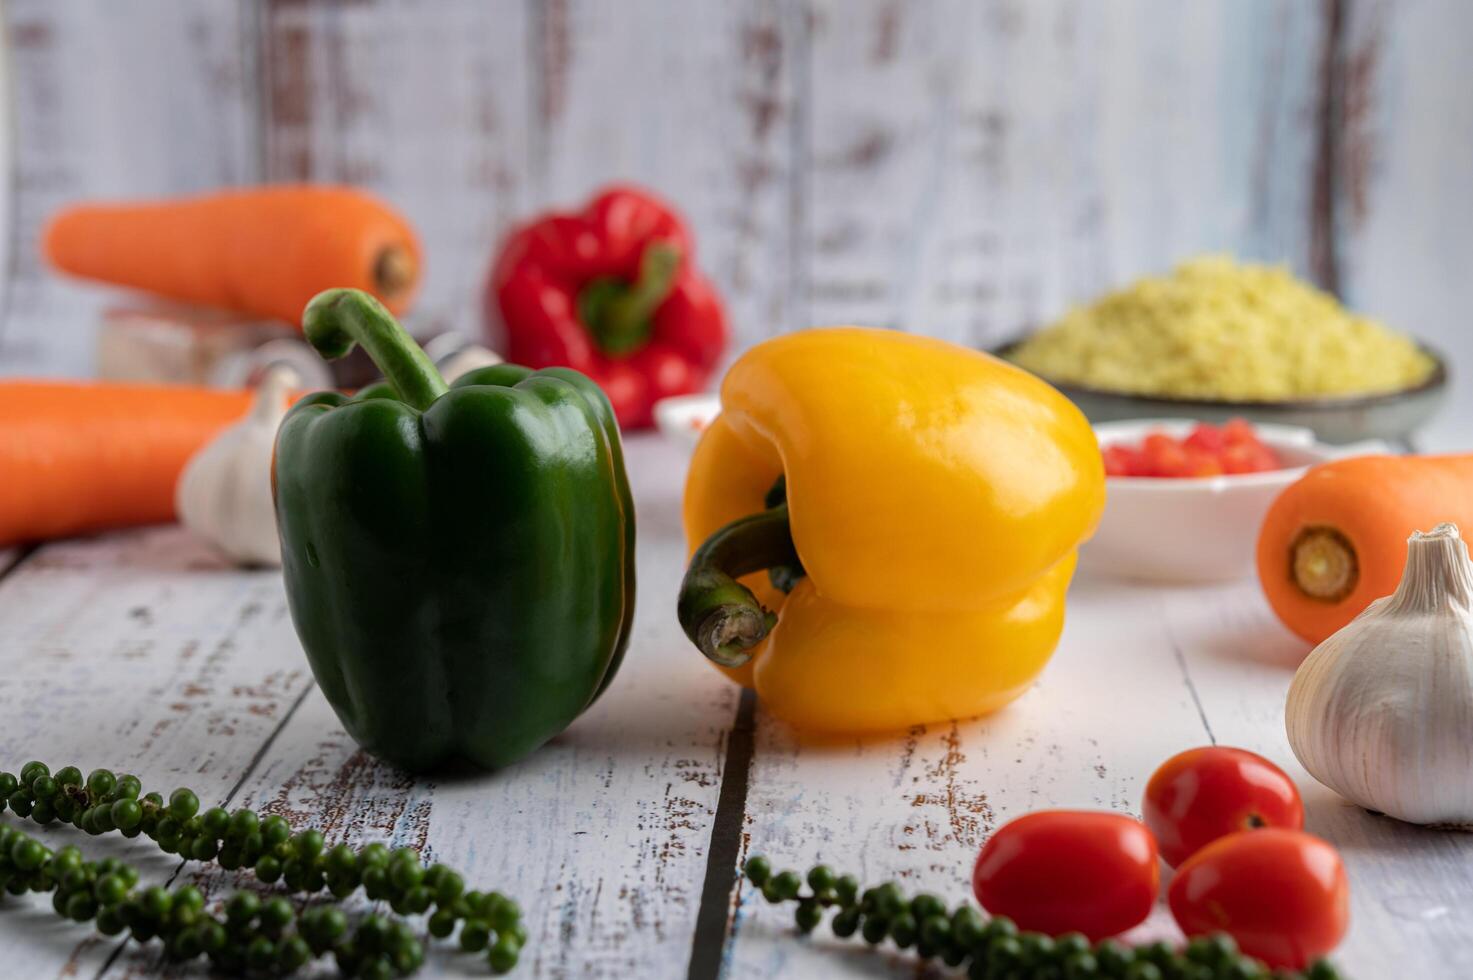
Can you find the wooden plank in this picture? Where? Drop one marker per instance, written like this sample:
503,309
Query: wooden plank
1406,141
431,112
602,834
973,168
113,100
1409,885
144,653
696,101
1109,708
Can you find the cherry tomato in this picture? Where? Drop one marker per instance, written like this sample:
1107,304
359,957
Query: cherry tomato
1059,871
1282,894
1202,794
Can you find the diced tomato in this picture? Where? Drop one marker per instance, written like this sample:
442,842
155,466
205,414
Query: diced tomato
1207,438
1206,451
1238,431
1122,461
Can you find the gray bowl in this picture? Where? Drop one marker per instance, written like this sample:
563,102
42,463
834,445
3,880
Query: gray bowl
1394,416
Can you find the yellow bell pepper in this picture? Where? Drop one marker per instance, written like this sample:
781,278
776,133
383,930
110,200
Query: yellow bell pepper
922,503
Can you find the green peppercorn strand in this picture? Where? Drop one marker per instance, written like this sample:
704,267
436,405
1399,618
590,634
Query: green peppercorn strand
253,935
995,948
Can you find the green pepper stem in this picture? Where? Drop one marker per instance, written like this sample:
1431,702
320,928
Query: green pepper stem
720,615
337,319
620,314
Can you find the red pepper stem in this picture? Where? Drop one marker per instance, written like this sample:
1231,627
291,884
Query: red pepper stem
620,314
338,319
720,615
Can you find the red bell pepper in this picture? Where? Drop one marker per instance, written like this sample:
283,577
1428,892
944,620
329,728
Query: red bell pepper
611,291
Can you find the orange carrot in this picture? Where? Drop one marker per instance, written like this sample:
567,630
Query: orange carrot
1336,540
77,457
263,251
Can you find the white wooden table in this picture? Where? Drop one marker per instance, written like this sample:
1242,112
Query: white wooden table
143,652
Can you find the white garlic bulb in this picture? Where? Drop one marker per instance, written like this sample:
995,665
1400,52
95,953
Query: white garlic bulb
1382,711
224,493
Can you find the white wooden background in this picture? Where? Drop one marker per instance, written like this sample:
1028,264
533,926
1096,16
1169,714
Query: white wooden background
955,167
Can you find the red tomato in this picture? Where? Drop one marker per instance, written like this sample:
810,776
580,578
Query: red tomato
1282,894
1059,871
1202,794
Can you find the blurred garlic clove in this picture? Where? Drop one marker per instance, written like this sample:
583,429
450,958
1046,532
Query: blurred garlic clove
224,493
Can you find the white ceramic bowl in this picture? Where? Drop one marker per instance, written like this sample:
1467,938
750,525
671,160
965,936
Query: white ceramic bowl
682,419
1194,529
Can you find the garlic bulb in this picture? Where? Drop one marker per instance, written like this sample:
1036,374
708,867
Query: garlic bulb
224,493
1382,711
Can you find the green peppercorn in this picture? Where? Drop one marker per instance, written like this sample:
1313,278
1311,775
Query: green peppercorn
1070,944
821,878
109,890
448,888
126,814
128,787
903,930
211,936
81,907
1080,966
43,787
758,870
183,804
1322,970
846,923
442,923
875,928
808,915
787,884
260,953
503,956
205,849
20,802
924,905
374,855
31,770
967,926
474,934
1006,951
110,920
375,882
275,915
101,782
268,868
242,907
889,900
213,821
846,889
243,823
307,844
1143,970
43,812
27,854
8,783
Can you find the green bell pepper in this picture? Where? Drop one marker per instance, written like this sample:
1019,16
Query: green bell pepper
459,561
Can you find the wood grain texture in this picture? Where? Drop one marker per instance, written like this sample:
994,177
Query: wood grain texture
113,100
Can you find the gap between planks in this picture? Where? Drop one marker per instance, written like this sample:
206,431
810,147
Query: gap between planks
713,916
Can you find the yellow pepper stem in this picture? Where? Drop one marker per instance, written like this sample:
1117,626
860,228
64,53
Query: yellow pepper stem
720,615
